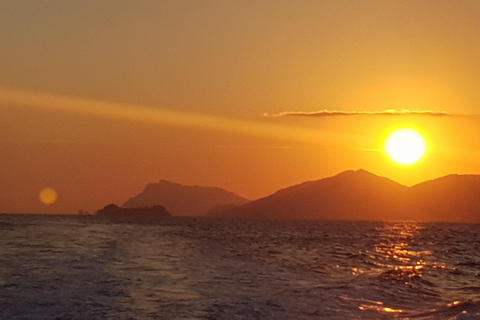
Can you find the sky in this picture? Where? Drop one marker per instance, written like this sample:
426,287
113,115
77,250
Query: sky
99,98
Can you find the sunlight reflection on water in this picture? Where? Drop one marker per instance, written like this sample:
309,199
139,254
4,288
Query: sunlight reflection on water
219,269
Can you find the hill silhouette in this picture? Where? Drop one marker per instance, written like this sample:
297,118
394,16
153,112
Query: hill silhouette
361,195
450,198
181,200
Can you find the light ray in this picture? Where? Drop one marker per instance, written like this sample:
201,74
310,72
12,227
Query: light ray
159,116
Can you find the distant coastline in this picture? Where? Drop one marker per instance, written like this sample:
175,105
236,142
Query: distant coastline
356,195
112,210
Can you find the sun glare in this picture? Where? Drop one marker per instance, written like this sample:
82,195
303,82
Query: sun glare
48,196
405,146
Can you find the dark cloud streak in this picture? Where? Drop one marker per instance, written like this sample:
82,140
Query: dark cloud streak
339,113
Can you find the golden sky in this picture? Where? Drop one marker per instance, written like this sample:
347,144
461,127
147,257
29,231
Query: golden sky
99,98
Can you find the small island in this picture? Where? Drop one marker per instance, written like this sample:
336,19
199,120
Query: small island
112,210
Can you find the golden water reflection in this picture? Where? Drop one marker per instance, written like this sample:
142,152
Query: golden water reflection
399,249
399,261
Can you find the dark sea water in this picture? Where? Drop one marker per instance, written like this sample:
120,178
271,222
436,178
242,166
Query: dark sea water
60,267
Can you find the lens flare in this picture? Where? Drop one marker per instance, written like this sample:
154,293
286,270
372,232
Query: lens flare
48,196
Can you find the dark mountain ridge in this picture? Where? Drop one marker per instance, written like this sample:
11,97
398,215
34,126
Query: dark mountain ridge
361,195
181,200
451,198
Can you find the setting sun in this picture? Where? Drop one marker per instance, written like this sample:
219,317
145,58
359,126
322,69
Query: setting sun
405,146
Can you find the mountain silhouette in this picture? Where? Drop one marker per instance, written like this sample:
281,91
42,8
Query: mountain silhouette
361,195
181,200
450,198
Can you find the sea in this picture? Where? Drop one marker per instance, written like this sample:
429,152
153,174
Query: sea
84,267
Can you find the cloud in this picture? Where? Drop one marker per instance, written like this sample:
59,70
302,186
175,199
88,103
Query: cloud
339,113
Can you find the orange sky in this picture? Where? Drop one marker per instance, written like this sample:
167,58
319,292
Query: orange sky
99,98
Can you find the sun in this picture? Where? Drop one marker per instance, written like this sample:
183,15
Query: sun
405,146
